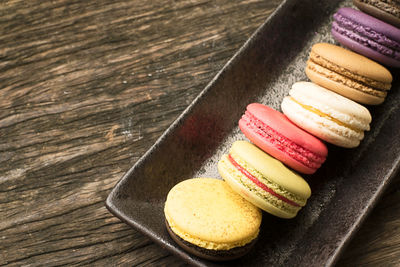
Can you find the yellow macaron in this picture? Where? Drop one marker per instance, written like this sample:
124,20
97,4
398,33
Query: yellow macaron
208,219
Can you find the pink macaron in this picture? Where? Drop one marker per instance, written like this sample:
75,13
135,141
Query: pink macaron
274,133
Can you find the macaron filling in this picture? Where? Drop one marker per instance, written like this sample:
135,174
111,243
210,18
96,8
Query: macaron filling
320,65
366,36
324,115
260,184
287,201
297,152
207,244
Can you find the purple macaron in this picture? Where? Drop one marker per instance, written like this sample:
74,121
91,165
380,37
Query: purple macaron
367,35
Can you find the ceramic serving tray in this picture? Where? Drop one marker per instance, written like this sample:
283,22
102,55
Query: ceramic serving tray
344,190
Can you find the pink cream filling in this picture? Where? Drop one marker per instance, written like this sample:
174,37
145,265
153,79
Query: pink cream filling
298,153
260,184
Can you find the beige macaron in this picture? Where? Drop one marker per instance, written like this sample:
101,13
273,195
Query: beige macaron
349,74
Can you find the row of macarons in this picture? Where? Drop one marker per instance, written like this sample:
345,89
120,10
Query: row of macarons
312,111
220,220
327,108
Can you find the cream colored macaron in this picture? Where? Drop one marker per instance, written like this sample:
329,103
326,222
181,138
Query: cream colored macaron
327,115
208,219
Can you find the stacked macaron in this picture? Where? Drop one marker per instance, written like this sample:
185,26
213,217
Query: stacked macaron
220,220
208,219
349,74
263,180
367,34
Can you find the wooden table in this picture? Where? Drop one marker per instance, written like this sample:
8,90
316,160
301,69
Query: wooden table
85,88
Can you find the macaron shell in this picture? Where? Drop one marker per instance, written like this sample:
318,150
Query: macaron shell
210,254
364,50
209,210
271,168
328,81
353,62
251,196
274,151
285,141
280,123
371,22
333,104
377,13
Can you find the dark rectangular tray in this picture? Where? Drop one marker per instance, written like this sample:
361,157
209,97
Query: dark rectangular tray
344,190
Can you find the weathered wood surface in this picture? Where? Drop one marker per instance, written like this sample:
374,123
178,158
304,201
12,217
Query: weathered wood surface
85,88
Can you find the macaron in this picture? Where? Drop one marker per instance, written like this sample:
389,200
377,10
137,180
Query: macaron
327,115
367,36
386,10
263,180
208,219
349,74
275,134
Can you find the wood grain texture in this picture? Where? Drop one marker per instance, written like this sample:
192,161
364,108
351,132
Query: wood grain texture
86,87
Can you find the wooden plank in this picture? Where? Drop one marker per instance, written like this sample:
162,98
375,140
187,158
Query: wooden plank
86,87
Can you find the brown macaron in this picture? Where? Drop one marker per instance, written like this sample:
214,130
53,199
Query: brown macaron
348,74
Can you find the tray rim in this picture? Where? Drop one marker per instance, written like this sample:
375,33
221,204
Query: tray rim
365,213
